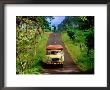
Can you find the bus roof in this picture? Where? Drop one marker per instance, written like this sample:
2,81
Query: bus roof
54,47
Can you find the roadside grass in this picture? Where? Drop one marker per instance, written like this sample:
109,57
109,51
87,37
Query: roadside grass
83,60
29,62
72,49
41,51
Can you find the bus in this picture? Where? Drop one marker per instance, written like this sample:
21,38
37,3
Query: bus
54,55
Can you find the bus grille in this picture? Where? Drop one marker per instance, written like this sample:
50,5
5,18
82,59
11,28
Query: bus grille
55,59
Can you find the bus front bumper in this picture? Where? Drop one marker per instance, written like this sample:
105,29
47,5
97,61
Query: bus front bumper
54,62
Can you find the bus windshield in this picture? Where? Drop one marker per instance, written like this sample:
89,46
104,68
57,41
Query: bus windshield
54,52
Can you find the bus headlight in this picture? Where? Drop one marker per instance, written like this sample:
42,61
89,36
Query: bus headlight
48,59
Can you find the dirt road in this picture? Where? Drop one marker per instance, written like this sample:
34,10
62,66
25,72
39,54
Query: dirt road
69,66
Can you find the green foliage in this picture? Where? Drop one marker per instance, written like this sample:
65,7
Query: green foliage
80,22
30,42
86,59
79,36
71,34
32,22
79,39
35,70
90,38
29,61
79,50
73,49
31,38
